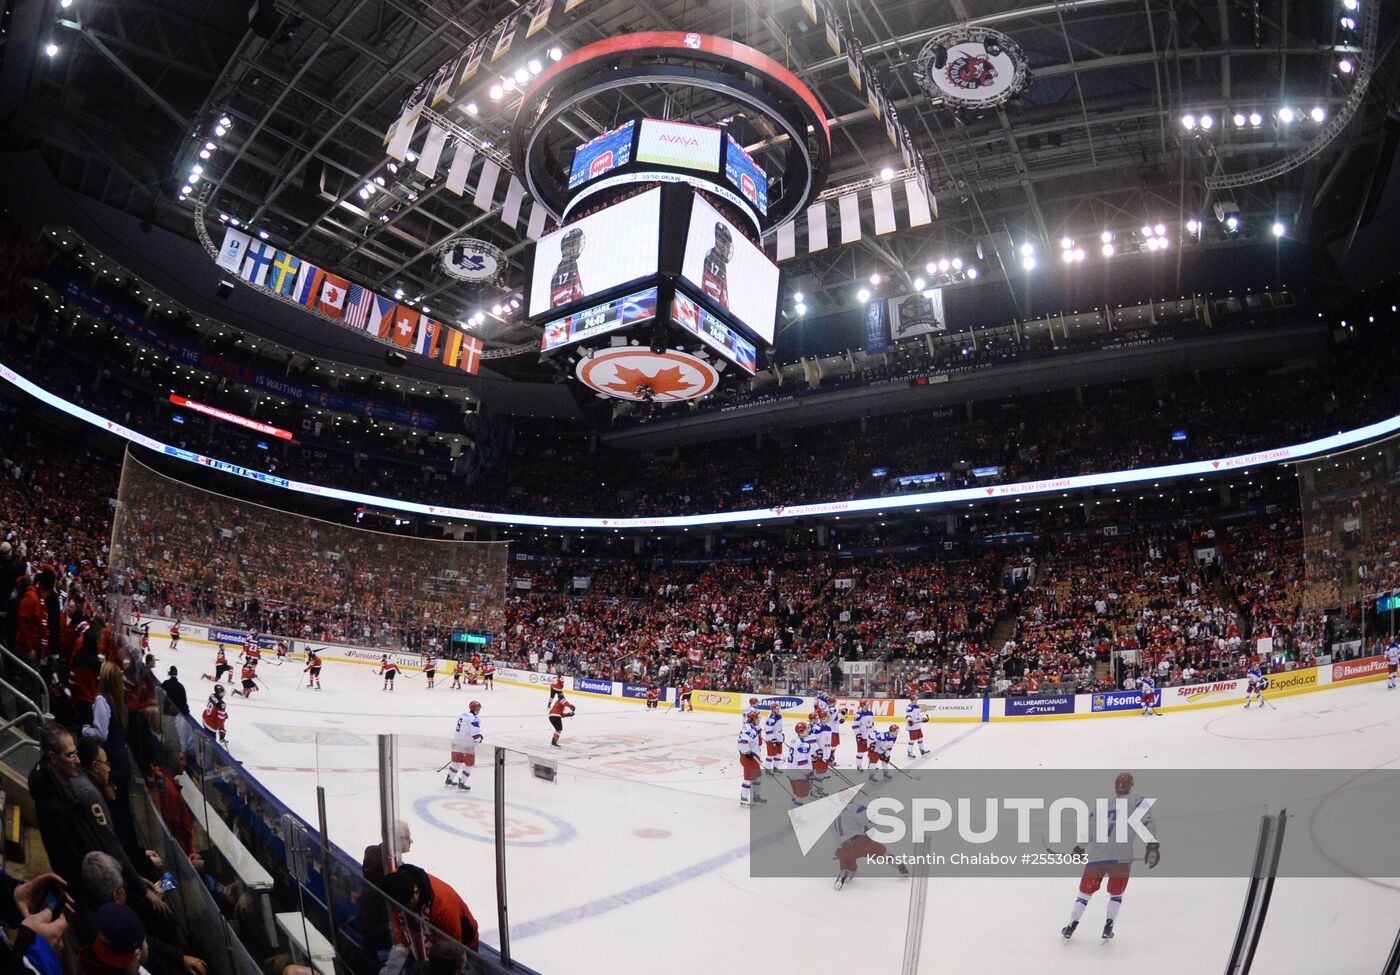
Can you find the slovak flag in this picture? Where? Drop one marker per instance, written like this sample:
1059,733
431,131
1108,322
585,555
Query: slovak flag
405,327
381,318
331,300
427,336
471,354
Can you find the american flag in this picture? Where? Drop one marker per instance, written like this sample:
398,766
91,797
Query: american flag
358,302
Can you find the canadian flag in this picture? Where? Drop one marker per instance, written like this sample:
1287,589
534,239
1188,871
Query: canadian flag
332,299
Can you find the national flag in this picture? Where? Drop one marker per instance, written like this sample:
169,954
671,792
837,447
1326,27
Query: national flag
405,327
282,276
427,336
332,298
471,354
381,319
451,346
256,263
358,302
308,284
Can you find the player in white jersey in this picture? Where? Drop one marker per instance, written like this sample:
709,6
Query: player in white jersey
820,732
852,829
1392,662
799,760
465,738
749,744
863,725
1112,858
914,719
1255,683
1148,687
772,732
881,747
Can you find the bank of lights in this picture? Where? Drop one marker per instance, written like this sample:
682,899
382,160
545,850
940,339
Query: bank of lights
1069,253
1028,256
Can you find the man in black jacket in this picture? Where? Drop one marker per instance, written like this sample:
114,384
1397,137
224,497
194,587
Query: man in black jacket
175,694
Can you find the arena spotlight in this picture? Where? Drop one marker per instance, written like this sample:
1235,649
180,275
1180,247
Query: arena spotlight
1146,230
1193,226
471,108
1160,230
1348,23
220,130
51,49
920,284
1066,244
1027,249
1028,262
863,295
931,267
1188,122
798,297
1109,250
1067,254
1232,223
556,53
496,92
1286,115
522,77
800,308
1106,236
944,265
957,263
1255,120
1278,228
972,274
1351,4
535,66
887,174
875,279
225,121
1318,114
1240,120
1207,122
1345,66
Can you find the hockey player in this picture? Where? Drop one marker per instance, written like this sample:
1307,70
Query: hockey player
458,669
488,675
773,737
1148,687
801,748
1112,858
174,635
863,726
216,714
881,748
313,668
749,761
853,824
389,669
565,287
221,666
1392,663
683,702
714,277
914,719
653,697
252,653
820,732
558,711
430,670
1255,684
145,638
556,690
248,677
282,652
464,741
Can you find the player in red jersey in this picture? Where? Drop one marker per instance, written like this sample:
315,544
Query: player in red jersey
282,651
174,634
558,711
653,696
216,714
556,690
714,276
249,677
458,669
683,693
430,670
221,666
488,675
566,287
252,653
389,670
313,668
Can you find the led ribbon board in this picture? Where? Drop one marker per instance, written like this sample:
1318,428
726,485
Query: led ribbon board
1312,448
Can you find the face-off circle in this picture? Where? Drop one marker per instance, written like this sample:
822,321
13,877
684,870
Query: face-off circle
636,373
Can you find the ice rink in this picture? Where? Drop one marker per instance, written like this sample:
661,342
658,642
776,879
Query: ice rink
637,853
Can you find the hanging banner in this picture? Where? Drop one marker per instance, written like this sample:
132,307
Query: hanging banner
539,18
876,328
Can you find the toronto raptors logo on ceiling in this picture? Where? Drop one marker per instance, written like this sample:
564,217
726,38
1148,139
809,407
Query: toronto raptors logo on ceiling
972,67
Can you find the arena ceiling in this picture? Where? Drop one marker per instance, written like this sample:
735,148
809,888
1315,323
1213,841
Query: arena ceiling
1095,142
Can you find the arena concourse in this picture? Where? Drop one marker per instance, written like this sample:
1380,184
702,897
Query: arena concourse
581,485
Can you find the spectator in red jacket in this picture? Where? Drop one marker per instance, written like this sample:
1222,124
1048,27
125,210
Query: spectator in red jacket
32,627
433,900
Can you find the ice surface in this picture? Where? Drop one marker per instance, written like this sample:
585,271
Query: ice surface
637,852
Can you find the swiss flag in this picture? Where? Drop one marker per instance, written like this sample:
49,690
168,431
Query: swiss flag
405,328
332,298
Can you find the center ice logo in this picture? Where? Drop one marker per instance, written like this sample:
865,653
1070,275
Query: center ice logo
474,819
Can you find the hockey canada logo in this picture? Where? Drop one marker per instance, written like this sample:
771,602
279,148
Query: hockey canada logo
692,41
602,164
747,187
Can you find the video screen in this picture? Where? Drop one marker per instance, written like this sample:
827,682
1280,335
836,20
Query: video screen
679,144
730,270
604,154
689,315
600,252
607,317
745,175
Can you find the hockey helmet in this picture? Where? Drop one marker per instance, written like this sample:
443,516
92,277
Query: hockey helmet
218,690
800,727
1123,784
474,707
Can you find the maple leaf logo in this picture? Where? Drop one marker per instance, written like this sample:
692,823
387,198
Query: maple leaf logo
632,381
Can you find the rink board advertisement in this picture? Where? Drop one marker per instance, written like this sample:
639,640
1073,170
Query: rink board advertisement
1116,701
1359,669
1027,822
1056,704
